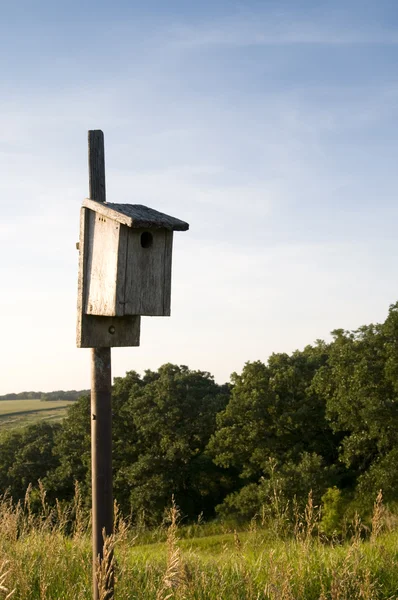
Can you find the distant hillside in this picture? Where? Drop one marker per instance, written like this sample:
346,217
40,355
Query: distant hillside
57,395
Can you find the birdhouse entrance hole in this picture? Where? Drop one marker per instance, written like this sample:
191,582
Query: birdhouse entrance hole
146,239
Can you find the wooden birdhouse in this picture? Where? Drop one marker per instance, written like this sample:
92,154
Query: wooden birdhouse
125,254
125,267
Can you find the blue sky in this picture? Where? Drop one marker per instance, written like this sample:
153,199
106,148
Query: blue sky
271,127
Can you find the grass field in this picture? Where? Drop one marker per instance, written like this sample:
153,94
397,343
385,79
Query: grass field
38,561
17,413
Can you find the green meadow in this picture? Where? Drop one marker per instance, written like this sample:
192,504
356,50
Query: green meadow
22,412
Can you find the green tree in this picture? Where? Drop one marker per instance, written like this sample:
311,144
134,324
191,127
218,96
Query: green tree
162,427
72,450
275,415
359,386
26,456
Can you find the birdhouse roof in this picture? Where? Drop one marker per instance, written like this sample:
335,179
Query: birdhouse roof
136,215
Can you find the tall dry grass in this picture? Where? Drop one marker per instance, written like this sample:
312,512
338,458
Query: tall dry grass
46,555
5,592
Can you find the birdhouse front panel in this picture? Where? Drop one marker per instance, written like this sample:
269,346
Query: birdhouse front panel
148,272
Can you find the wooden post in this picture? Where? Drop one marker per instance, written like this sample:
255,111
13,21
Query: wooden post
101,411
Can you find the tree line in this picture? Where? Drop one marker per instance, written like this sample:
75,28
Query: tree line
324,418
57,395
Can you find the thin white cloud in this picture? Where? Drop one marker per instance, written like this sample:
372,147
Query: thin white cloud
275,30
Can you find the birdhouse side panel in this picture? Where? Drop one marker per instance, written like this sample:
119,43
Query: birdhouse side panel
94,331
102,266
147,290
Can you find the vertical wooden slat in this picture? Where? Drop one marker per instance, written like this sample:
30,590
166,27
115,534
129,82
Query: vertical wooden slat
96,165
168,248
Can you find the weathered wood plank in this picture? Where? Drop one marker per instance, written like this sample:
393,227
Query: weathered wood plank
121,271
96,165
108,211
110,332
102,265
94,331
136,215
81,276
168,249
145,274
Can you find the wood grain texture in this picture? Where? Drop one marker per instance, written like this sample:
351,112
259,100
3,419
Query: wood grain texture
121,272
145,274
96,165
99,259
102,261
95,331
136,216
110,332
81,277
167,262
101,454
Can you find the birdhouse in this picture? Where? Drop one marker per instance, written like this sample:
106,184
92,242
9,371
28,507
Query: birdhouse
125,263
